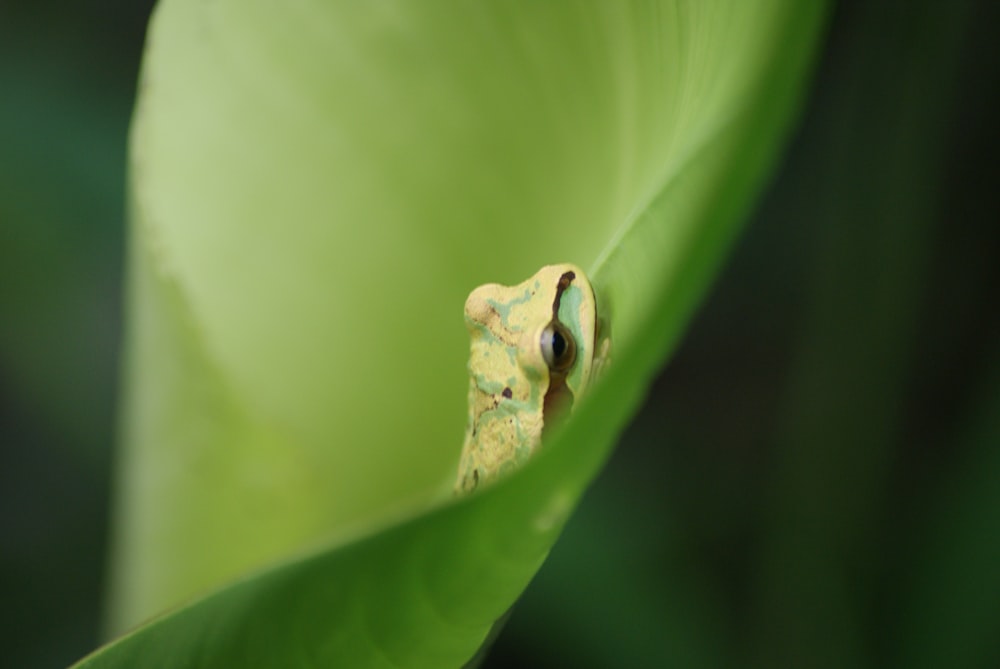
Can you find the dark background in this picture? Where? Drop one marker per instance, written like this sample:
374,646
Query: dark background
815,480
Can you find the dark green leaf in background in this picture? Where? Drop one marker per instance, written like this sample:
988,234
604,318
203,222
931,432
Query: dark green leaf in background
813,479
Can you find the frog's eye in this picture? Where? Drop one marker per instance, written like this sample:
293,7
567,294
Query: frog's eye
558,347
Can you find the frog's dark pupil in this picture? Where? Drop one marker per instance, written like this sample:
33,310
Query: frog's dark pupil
558,347
558,344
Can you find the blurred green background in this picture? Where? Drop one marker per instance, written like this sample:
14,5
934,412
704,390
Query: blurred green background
815,480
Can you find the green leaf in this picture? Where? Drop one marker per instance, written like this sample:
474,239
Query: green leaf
315,190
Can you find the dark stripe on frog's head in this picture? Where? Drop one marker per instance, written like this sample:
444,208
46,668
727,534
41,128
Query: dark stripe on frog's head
564,281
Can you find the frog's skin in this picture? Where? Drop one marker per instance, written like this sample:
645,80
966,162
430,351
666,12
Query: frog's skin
519,375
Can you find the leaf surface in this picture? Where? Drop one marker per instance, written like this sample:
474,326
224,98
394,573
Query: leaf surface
315,190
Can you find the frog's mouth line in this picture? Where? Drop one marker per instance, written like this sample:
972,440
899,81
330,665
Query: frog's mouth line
558,398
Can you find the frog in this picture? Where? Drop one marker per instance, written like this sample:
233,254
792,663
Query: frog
535,348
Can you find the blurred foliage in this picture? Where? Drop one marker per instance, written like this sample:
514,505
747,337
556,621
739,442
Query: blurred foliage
815,480
67,73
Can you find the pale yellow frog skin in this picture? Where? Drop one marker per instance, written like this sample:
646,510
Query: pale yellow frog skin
532,355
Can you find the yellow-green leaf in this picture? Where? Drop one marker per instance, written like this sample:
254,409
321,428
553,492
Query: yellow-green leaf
316,186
